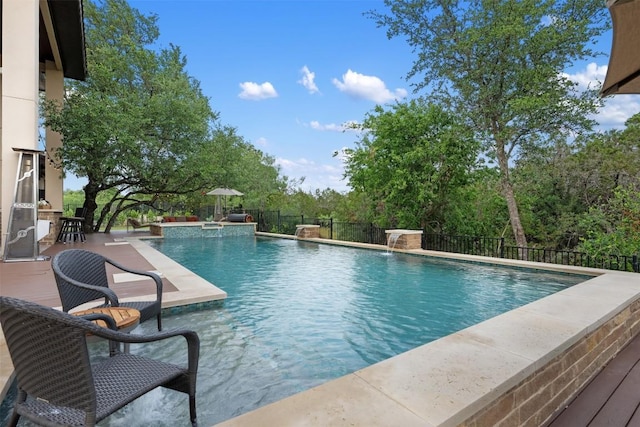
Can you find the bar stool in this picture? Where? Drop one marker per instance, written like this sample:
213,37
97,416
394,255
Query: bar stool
72,229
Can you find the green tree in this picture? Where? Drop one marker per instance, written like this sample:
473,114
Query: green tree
477,208
407,162
602,162
499,64
228,160
547,196
137,122
353,207
613,228
328,201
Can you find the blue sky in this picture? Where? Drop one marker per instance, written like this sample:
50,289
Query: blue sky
289,74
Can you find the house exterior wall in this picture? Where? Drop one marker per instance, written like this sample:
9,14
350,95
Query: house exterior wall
19,109
20,68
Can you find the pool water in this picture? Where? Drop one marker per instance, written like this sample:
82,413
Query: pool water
299,314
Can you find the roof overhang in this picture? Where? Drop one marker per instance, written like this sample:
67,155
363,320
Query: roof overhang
61,36
623,73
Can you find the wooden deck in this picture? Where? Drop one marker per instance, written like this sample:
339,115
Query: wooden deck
34,281
612,398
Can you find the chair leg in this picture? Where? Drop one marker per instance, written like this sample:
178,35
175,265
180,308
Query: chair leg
13,422
20,398
192,410
159,322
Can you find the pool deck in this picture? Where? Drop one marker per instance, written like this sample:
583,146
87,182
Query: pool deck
439,384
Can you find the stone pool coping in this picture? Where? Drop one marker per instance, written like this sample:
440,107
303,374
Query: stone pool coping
451,380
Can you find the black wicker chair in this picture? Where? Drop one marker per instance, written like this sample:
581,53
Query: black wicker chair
81,277
58,384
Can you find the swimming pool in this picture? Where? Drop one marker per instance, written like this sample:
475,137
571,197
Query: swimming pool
300,314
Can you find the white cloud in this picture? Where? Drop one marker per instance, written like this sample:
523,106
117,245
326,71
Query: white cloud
347,126
367,87
295,167
617,108
285,164
342,154
307,80
317,176
262,142
590,78
314,124
256,92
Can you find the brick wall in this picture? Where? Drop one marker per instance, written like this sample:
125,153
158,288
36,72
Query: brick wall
409,241
54,218
539,397
155,230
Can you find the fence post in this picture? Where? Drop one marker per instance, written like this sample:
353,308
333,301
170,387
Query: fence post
279,230
635,263
502,247
331,228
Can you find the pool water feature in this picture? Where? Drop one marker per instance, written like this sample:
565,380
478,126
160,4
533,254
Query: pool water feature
299,314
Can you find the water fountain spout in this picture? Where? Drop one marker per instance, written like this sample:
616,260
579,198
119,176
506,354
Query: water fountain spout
393,239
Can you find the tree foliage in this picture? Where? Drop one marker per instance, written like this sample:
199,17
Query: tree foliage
499,65
230,161
408,161
613,228
572,194
139,119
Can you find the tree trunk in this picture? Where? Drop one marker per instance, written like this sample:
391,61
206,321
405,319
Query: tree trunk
90,195
514,217
507,192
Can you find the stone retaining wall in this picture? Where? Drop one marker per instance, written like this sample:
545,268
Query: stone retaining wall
540,396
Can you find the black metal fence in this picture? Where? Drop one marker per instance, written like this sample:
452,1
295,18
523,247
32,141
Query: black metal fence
496,247
468,245
352,231
580,259
274,222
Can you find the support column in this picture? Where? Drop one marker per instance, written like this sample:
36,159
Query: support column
20,71
54,90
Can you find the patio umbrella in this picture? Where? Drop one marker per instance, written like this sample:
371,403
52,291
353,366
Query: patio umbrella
225,192
623,73
222,192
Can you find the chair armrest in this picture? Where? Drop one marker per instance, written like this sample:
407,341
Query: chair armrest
109,294
154,276
193,341
125,337
111,323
